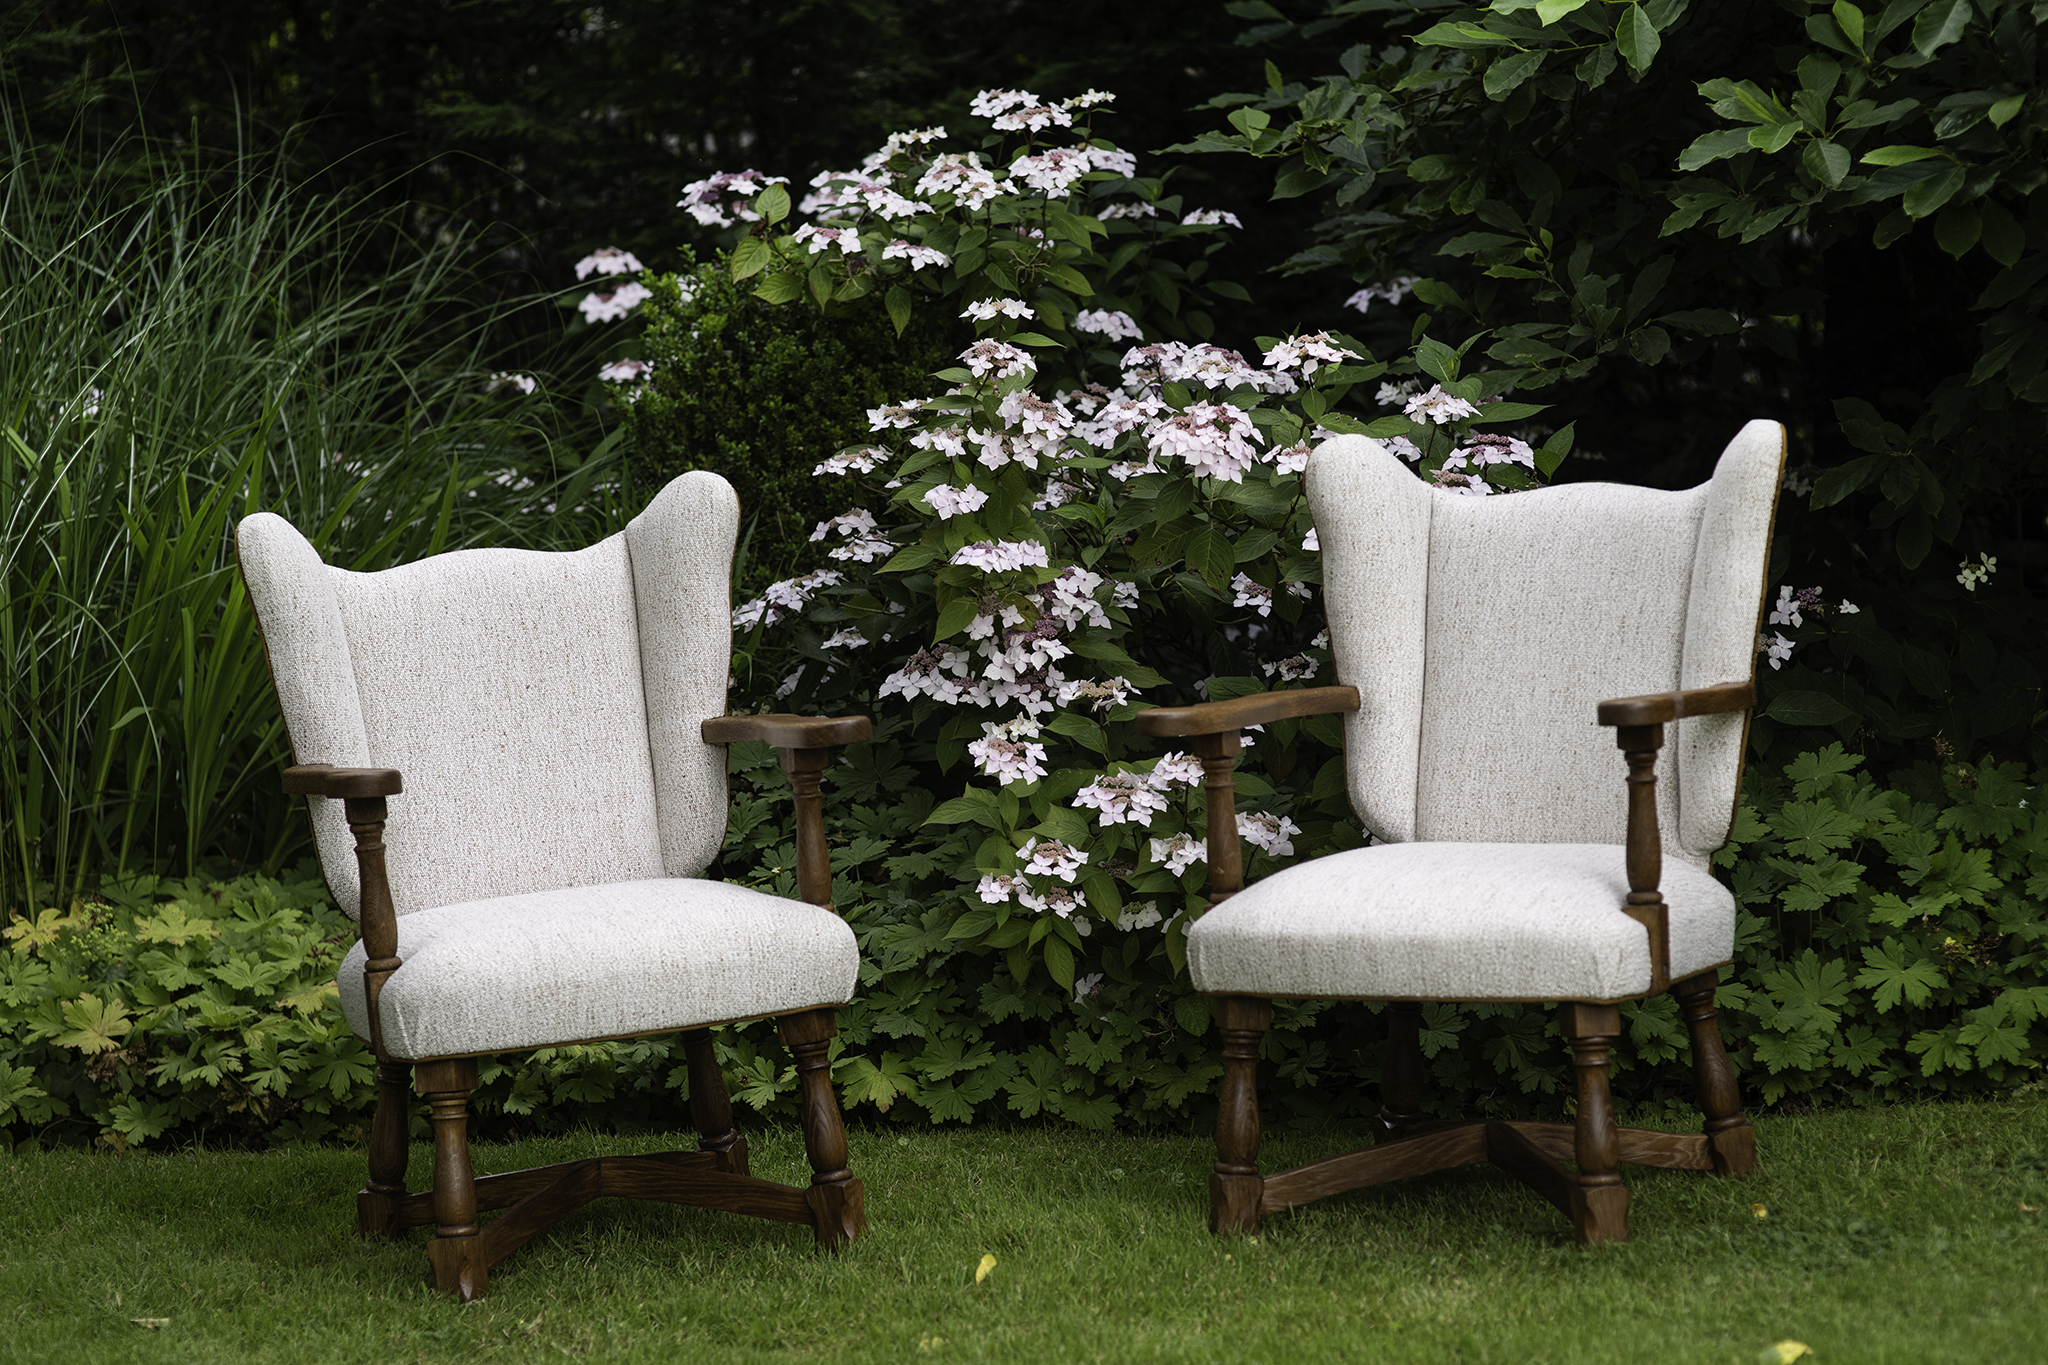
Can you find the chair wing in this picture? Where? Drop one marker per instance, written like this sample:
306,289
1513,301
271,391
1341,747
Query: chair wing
1481,632
517,691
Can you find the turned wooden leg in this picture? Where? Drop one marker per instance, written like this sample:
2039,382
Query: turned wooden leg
835,1194
710,1106
1400,1073
1729,1136
1235,1185
1600,1200
446,1086
376,1211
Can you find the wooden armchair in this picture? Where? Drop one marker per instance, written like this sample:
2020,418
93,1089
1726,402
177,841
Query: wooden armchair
1477,639
551,727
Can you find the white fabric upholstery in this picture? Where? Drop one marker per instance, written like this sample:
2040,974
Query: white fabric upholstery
600,962
682,572
307,649
1542,605
1722,618
1455,921
1372,518
514,692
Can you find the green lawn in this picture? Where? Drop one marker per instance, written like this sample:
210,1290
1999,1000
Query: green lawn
1892,1235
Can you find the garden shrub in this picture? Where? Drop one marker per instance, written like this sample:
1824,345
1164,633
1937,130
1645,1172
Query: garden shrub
1664,217
762,395
1890,947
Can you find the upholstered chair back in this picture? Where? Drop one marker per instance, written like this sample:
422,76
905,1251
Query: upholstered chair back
542,709
1482,632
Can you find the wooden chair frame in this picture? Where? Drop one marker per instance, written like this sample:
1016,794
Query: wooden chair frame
714,1176
1592,1196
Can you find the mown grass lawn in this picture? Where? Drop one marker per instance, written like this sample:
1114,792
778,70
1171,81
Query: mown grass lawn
1892,1235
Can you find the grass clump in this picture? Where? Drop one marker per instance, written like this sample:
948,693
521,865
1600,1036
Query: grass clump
1891,1235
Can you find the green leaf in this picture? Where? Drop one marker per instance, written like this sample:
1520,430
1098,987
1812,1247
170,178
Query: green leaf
897,300
1931,193
2002,112
1892,973
1807,708
1649,344
1510,71
780,287
1059,962
773,203
96,1025
750,257
1827,162
955,617
1940,24
1958,229
1899,154
1637,39
1851,19
1714,146
1462,35
1210,554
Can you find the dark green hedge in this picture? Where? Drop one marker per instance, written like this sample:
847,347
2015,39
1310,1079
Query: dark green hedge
762,394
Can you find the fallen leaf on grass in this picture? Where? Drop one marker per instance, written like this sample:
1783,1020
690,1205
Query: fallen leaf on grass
1760,1210
988,1263
1785,1352
153,1324
2025,1207
930,1343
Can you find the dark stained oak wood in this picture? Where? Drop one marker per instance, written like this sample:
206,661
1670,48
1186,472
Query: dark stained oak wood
790,732
1729,1136
836,1199
377,1204
813,856
710,1106
324,779
1226,856
1236,1193
1223,717
1645,852
1400,1073
1600,1201
1539,1170
1396,1160
1661,708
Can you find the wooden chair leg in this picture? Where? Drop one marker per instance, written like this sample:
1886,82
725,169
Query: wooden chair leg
1729,1137
457,1270
376,1206
835,1194
1235,1185
1400,1073
711,1106
1600,1200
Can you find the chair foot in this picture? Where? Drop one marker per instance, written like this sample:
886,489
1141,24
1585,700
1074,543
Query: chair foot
1600,1214
377,1214
840,1208
835,1199
457,1269
1400,1074
1234,1204
1733,1150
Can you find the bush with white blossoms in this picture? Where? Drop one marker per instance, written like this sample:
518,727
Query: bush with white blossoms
1092,517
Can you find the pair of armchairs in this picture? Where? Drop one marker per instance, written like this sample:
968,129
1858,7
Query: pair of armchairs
556,725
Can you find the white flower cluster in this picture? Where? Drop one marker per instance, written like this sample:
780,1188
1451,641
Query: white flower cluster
608,260
1250,593
1210,218
784,598
1268,832
1438,407
1010,751
727,197
989,357
1304,353
1393,292
521,383
1021,111
609,305
1970,575
1295,668
1002,556
864,460
987,310
858,529
1122,798
1112,325
626,371
918,256
951,502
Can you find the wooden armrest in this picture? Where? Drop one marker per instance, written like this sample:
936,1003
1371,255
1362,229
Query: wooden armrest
1219,717
322,779
790,732
1661,708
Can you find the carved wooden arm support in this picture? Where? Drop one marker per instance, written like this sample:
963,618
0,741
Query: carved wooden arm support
362,792
1214,727
806,744
1639,733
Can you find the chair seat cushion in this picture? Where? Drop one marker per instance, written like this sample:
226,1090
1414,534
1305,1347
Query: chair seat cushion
594,962
1453,921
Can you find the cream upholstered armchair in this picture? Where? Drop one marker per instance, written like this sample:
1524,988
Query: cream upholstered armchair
1484,643
555,723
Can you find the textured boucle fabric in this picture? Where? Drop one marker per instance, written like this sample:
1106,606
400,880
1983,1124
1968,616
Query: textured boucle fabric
681,548
504,685
1372,519
1721,620
1541,606
300,621
600,962
1455,921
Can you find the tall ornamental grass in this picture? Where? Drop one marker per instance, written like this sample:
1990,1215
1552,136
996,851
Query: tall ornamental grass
183,343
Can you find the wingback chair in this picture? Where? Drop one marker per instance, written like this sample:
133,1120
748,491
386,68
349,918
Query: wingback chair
554,722
1482,644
